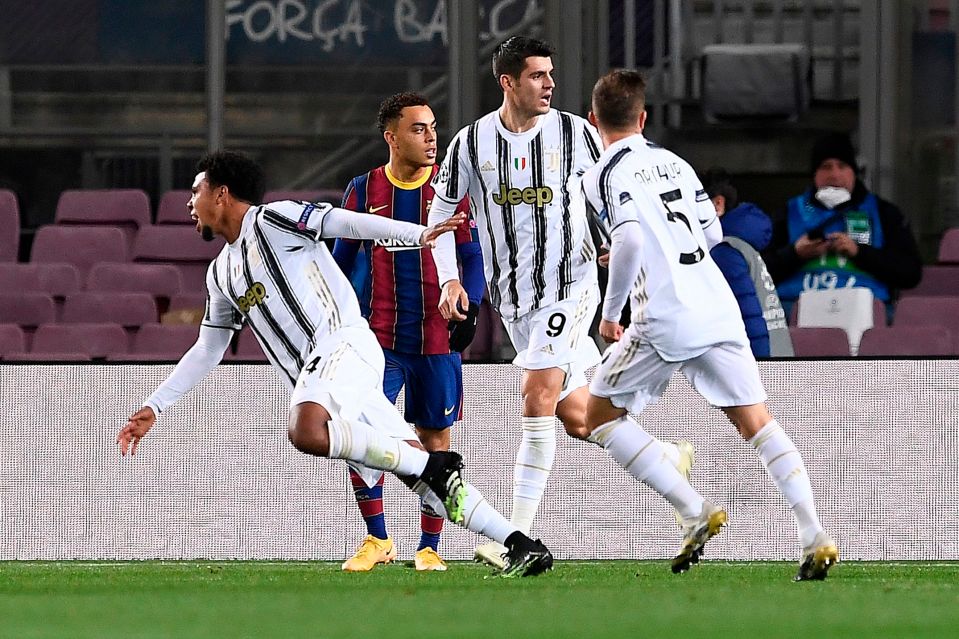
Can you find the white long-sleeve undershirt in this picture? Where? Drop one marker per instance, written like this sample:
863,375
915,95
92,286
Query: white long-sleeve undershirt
195,364
444,253
624,266
343,223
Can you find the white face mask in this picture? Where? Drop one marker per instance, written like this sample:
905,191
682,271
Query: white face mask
833,196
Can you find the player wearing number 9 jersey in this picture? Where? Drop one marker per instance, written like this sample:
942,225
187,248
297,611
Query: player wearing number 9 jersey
684,318
521,166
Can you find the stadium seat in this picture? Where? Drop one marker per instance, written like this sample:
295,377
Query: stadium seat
949,247
905,341
185,308
130,310
12,340
180,246
172,208
936,280
96,340
9,226
188,301
82,246
819,341
247,348
169,340
29,310
927,311
333,196
162,281
851,309
55,279
125,208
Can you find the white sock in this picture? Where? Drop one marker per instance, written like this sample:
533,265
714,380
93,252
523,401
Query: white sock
359,442
534,460
480,517
643,457
785,466
484,519
671,451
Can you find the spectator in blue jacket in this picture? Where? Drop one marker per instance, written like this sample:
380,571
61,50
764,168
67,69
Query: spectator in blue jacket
747,231
839,234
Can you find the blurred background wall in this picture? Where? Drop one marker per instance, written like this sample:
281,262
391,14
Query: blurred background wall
126,93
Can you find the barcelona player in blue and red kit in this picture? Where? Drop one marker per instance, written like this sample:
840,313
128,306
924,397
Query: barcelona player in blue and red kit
399,294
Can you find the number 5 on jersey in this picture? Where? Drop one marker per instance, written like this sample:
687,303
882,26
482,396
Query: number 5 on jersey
672,200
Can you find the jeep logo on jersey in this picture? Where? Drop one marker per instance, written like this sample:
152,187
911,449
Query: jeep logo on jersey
396,245
253,296
540,196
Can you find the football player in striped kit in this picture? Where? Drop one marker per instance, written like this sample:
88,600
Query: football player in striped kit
276,275
521,166
684,318
400,299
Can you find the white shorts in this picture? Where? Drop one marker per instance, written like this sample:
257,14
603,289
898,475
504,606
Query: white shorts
633,375
557,336
344,374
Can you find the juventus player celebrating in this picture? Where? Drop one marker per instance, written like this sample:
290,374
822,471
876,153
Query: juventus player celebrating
684,317
521,165
400,300
277,275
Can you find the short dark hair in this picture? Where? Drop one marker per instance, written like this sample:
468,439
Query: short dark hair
237,172
716,181
392,107
618,98
509,58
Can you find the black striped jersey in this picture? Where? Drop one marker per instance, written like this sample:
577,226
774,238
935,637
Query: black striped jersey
525,196
279,277
680,300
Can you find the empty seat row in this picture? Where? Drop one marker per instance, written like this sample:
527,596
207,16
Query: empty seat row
936,280
104,340
126,209
61,279
86,246
886,341
30,310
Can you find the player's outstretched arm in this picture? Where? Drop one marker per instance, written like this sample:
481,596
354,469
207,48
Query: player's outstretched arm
432,232
195,364
136,427
342,223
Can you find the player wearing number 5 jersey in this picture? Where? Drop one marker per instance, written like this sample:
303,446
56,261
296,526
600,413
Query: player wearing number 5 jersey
521,166
684,318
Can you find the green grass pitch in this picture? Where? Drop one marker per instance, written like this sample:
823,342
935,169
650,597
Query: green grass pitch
583,599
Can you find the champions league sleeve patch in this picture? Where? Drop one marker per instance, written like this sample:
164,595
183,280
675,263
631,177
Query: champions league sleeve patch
305,216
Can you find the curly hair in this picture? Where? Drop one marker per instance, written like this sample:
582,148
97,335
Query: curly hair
392,107
240,174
